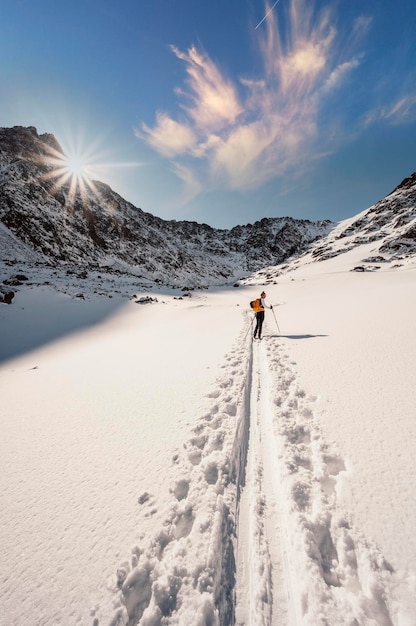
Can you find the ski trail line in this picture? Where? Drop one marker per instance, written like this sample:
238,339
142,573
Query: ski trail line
249,531
263,596
253,569
286,608
299,559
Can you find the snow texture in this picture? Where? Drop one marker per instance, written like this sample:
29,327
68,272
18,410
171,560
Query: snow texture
160,468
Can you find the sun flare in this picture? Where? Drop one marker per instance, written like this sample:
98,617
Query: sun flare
71,173
75,166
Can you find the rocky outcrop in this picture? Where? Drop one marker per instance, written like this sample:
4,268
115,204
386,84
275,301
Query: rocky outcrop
98,228
6,295
390,224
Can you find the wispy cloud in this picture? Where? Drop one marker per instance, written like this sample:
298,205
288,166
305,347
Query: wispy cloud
169,137
213,98
362,25
192,185
399,112
337,76
240,134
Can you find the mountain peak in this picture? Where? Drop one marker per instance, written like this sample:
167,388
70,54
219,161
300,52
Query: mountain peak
97,227
407,183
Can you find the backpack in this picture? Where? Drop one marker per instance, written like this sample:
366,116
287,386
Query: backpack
256,304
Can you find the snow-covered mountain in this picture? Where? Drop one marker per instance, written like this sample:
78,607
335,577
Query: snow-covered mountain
390,224
385,233
99,229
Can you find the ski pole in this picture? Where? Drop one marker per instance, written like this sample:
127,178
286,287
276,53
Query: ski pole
275,320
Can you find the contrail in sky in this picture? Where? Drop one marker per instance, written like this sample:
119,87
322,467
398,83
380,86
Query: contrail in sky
268,13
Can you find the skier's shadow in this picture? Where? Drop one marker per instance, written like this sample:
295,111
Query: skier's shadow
281,336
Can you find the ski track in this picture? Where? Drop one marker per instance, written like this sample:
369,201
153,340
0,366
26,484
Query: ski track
310,563
185,573
252,532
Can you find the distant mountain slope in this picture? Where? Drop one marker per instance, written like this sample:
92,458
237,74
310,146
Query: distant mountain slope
385,234
390,224
100,228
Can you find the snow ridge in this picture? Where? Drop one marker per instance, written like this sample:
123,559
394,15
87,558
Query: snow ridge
385,235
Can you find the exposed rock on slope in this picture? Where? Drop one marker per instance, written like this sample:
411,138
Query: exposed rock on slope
98,228
386,232
390,224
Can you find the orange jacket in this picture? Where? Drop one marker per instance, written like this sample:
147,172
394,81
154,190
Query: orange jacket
258,306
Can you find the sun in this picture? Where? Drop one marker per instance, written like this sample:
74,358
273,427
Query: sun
73,166
76,166
70,172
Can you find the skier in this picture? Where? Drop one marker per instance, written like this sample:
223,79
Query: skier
259,306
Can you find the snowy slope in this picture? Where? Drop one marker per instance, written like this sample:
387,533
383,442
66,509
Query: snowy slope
159,468
384,234
69,221
14,250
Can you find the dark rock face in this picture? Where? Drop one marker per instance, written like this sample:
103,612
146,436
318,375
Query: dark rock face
6,295
99,228
407,183
390,225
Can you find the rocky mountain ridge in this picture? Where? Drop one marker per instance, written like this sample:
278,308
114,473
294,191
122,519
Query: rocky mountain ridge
390,224
94,227
385,233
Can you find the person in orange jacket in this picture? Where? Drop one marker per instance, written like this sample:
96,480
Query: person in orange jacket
259,306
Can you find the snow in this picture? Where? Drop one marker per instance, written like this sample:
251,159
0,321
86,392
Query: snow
157,466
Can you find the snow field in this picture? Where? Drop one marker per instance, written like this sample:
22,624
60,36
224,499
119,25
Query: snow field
184,572
297,557
302,561
359,362
92,422
158,468
333,572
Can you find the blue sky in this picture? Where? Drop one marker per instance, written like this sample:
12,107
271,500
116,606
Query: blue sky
203,110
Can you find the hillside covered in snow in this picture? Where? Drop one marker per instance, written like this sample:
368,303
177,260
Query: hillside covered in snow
84,222
387,230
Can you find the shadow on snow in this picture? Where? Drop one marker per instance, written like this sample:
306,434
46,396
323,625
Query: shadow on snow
37,324
281,336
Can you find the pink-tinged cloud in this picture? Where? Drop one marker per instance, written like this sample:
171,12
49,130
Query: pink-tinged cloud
238,136
338,75
169,137
213,99
257,152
